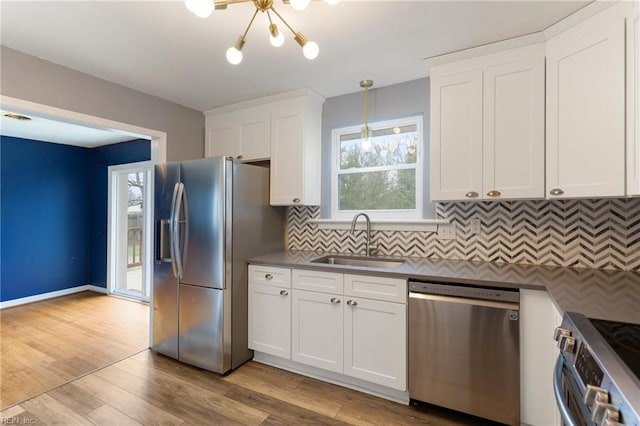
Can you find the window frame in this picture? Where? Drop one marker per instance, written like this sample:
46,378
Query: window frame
419,168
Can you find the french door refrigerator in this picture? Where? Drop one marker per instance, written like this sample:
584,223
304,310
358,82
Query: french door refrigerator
211,215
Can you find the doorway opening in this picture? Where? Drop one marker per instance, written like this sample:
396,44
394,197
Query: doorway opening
130,236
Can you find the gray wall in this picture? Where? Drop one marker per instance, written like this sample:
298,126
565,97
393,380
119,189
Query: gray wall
386,103
33,79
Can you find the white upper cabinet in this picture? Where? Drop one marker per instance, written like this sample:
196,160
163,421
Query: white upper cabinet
244,134
296,151
487,126
513,130
586,108
285,129
456,136
633,101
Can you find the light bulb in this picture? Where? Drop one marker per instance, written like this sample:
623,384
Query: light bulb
275,37
332,2
311,50
200,8
299,4
365,133
277,41
234,56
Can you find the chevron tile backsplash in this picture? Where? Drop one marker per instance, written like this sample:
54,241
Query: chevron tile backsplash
603,233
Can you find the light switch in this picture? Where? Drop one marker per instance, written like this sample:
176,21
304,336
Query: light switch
446,231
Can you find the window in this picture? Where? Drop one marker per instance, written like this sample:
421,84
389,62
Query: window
382,178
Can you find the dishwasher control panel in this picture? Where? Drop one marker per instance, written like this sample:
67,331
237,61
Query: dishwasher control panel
471,292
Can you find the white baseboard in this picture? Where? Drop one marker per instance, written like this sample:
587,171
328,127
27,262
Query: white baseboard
51,295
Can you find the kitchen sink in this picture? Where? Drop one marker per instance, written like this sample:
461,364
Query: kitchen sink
369,262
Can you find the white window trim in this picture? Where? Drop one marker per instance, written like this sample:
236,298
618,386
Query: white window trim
422,225
415,214
146,167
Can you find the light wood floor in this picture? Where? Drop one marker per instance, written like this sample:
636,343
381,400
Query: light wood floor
49,347
48,343
148,388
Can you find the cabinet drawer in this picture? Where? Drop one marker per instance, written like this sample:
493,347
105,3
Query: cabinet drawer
268,275
325,282
379,288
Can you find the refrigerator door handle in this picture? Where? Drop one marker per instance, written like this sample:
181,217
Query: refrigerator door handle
179,238
173,230
183,225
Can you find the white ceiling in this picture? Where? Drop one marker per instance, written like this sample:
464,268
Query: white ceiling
48,129
160,48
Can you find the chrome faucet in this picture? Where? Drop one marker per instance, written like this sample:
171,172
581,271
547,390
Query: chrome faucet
368,249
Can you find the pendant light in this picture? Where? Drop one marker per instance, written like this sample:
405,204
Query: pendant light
204,8
366,131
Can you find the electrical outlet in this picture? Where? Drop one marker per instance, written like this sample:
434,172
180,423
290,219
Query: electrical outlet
446,231
475,225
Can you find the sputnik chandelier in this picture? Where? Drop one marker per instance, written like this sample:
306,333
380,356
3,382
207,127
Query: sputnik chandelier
204,8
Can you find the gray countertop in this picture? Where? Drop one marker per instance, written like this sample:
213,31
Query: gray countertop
595,293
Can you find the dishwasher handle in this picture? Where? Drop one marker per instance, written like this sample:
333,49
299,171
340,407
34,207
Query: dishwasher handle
466,301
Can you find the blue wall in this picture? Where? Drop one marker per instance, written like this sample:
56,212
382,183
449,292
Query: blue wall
53,213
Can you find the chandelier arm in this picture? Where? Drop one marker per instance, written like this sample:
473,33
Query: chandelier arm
283,21
250,23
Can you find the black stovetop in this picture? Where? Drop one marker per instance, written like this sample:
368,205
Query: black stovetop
624,338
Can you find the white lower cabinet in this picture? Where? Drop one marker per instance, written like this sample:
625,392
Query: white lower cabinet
331,326
375,341
317,329
538,319
269,313
337,329
270,319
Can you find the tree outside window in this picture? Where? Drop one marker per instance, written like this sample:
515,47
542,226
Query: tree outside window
383,176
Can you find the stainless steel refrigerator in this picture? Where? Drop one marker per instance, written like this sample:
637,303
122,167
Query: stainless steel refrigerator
211,215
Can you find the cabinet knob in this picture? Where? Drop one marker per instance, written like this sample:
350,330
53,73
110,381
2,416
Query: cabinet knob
296,200
494,193
335,300
471,194
240,157
556,191
268,277
284,292
352,303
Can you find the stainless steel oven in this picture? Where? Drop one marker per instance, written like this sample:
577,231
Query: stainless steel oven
597,375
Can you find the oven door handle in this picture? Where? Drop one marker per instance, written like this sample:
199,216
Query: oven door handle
567,420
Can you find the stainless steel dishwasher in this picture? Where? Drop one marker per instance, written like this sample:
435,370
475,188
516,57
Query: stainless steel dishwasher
464,349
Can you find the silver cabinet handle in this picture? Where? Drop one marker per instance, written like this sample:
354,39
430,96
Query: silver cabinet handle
284,292
335,300
240,157
296,200
352,303
494,193
268,277
556,191
471,194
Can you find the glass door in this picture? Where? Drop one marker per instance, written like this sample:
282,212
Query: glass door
130,218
